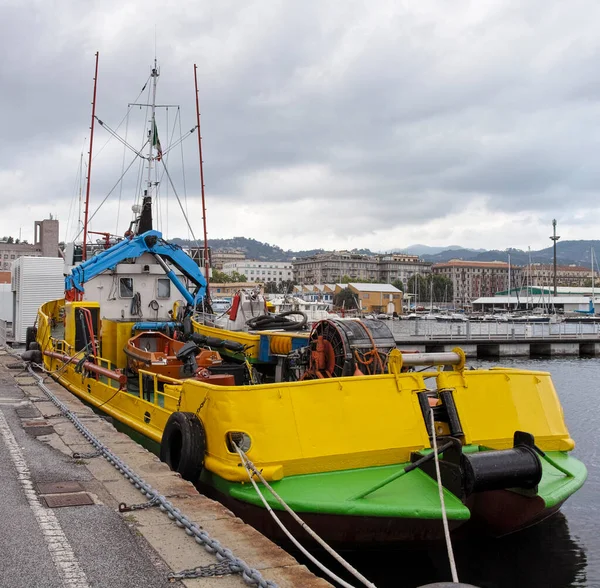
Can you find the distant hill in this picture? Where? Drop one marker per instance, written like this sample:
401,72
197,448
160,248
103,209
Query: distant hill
567,252
428,250
257,250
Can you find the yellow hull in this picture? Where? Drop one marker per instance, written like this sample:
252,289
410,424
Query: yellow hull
320,425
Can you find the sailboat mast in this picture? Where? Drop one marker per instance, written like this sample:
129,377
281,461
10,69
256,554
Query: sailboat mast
201,179
89,169
509,281
593,293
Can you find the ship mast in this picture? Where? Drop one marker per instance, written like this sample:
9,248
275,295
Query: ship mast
145,223
89,169
206,263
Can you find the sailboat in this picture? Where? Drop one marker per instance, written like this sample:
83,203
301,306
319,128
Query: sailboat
337,420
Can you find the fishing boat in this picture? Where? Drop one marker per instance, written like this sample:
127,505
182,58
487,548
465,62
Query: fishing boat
339,422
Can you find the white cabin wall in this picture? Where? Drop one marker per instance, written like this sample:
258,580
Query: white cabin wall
145,274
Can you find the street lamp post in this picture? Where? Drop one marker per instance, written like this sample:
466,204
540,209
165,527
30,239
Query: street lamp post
554,238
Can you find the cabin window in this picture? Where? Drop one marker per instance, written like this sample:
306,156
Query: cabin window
125,287
163,288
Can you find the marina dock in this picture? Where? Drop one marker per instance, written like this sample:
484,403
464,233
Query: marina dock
70,518
492,340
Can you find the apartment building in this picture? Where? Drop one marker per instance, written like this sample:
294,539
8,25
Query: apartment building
332,267
538,274
261,271
475,279
325,268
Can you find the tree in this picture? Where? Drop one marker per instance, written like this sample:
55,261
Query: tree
236,277
397,283
345,299
219,277
421,287
271,288
286,286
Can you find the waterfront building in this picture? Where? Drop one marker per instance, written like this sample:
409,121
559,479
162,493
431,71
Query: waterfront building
400,266
534,303
257,271
375,298
474,279
45,244
229,289
219,257
315,292
331,267
539,274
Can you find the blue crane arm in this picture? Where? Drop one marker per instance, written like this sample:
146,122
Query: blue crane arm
148,242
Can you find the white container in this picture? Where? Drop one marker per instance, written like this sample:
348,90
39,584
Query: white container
34,280
6,303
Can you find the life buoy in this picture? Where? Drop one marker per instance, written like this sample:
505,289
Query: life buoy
183,445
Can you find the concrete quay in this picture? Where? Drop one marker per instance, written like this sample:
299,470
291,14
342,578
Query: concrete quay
61,525
495,348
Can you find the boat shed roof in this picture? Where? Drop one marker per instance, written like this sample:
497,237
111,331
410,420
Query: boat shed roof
385,288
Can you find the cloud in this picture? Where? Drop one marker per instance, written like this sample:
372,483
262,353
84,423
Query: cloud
325,124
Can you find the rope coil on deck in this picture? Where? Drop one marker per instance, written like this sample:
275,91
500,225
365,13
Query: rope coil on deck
251,576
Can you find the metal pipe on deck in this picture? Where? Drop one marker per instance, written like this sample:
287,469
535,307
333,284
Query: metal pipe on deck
437,358
91,367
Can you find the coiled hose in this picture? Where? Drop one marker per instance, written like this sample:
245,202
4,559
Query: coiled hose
278,321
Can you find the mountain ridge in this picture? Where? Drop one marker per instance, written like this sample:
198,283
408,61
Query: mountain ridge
574,252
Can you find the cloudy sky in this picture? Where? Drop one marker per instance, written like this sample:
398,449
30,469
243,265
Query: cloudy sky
326,123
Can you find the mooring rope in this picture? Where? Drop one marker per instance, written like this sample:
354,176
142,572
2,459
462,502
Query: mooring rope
442,503
252,471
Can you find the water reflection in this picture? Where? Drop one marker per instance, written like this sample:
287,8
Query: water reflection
544,556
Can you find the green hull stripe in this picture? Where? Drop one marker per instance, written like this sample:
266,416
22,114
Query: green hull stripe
412,496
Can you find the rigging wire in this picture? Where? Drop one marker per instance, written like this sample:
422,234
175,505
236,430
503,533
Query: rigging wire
119,138
76,194
170,138
107,196
185,216
122,170
126,115
184,184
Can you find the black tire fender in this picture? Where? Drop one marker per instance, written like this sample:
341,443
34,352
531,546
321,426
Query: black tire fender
30,335
183,445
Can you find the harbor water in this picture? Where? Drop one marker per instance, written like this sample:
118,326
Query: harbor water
561,552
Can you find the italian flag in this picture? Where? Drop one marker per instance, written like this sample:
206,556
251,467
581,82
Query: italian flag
156,142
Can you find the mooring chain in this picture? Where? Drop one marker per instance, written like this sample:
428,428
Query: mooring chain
123,507
250,575
208,571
